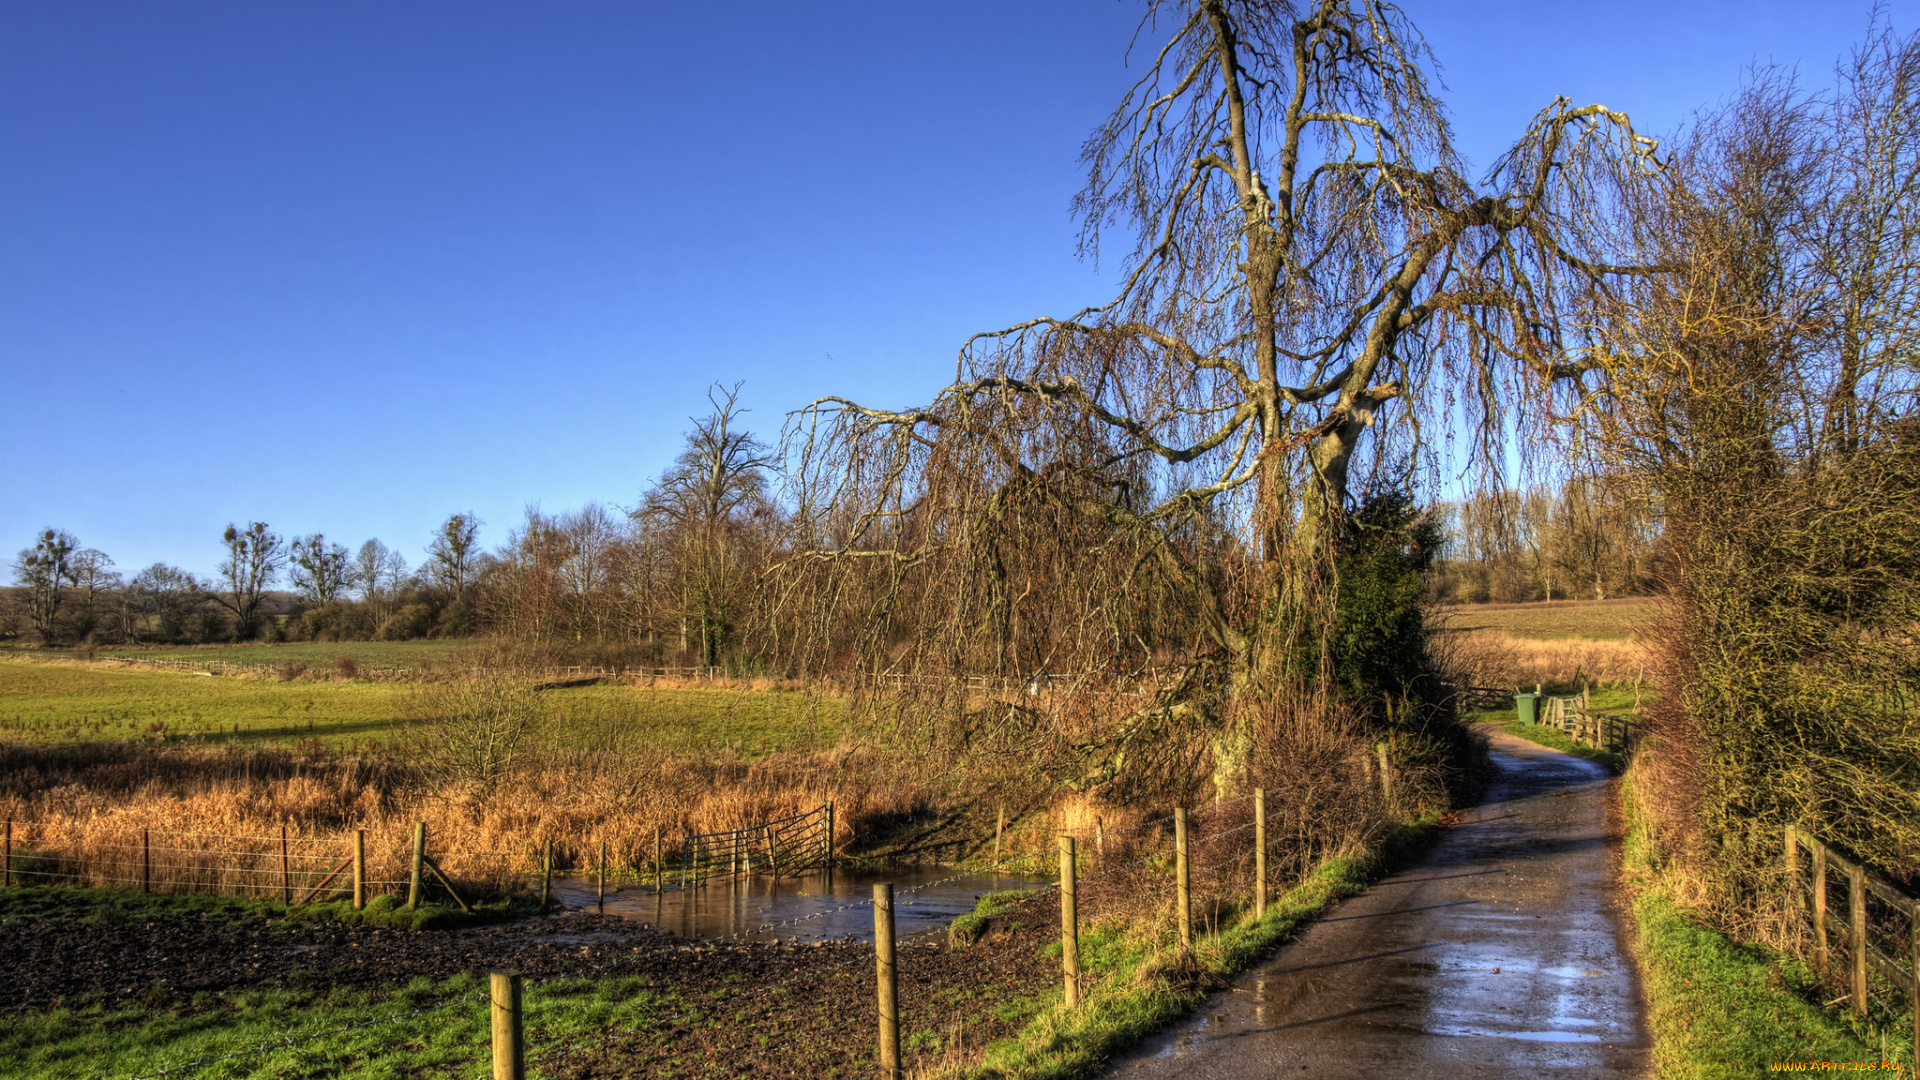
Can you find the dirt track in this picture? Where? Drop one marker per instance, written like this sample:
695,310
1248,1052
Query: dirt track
1499,952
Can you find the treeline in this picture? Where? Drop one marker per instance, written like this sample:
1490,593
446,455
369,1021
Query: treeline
1585,539
65,593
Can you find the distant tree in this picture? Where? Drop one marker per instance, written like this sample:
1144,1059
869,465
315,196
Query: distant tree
254,558
716,485
93,578
44,571
320,570
162,595
454,551
376,570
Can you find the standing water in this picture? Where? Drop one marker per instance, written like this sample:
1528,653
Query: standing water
834,904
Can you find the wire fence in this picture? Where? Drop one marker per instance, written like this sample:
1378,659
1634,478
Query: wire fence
303,866
1171,880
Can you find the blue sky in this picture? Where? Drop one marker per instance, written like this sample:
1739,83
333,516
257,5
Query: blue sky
350,267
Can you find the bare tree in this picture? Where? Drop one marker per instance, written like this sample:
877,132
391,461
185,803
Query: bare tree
1304,252
93,578
454,550
254,558
45,570
163,595
376,570
705,504
320,570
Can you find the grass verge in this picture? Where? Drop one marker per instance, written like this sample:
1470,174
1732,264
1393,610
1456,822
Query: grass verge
1718,1008
1138,985
1561,741
427,1028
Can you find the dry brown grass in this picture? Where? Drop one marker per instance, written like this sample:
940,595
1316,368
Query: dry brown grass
215,814
1501,659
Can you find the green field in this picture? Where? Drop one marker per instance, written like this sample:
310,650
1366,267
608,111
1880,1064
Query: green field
389,654
1605,620
44,703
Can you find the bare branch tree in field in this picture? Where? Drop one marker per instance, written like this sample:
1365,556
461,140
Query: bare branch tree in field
319,570
45,570
161,597
1306,262
254,558
93,577
376,570
705,504
455,550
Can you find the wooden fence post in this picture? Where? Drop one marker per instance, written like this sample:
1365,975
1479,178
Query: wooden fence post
286,869
829,855
1259,853
146,860
509,1051
1857,935
546,876
888,978
1100,840
419,860
359,869
1386,770
1820,908
1183,885
602,901
1913,999
9,862
659,865
1069,922
999,827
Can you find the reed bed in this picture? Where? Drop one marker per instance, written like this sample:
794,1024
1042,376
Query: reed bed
209,819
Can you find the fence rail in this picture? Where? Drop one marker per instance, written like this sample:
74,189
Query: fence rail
1582,723
1867,942
788,846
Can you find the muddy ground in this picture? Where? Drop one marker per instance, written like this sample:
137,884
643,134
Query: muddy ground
761,1009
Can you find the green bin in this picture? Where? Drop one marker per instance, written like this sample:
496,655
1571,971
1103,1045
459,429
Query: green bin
1528,706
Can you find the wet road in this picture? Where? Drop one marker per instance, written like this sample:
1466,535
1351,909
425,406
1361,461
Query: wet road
1499,952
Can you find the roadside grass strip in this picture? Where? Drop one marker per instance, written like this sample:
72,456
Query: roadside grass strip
1139,984
1555,739
1717,1008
